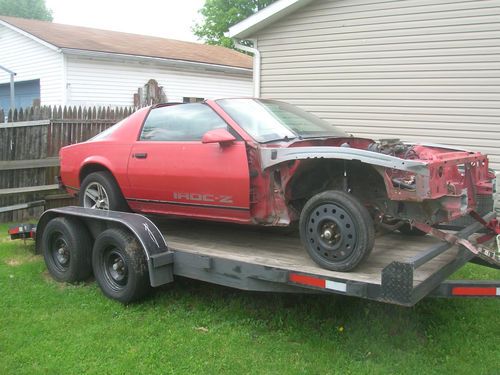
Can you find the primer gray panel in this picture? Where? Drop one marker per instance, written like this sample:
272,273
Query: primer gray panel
274,156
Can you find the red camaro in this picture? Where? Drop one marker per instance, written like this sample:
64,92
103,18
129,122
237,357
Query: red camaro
266,162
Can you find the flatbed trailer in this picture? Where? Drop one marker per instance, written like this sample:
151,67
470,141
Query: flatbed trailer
400,270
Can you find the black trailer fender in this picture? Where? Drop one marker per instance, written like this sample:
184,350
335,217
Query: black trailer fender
159,257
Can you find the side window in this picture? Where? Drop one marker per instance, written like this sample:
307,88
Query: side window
180,122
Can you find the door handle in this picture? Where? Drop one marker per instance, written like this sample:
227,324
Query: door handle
140,155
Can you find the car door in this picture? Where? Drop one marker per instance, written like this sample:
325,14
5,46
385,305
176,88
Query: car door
172,172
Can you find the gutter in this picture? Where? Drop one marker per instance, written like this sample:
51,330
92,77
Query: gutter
171,62
256,63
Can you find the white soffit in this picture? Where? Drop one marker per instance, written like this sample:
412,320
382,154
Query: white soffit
266,16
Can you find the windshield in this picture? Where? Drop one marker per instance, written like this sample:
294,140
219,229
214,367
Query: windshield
270,120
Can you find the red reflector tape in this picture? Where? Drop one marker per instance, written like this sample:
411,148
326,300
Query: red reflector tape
319,283
307,280
475,291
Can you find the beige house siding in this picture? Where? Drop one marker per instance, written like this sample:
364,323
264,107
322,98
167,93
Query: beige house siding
422,70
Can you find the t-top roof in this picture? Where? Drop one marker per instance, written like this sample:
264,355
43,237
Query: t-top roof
88,39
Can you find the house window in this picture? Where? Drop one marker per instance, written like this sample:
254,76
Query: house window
190,99
26,92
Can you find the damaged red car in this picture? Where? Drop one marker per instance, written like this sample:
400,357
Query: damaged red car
266,162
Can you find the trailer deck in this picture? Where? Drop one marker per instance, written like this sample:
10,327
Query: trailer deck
401,269
276,248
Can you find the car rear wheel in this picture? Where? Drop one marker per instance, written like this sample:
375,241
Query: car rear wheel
336,230
99,190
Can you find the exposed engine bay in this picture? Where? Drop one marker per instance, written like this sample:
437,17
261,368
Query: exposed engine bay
400,183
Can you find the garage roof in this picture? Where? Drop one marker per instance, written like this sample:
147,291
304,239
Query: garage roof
95,40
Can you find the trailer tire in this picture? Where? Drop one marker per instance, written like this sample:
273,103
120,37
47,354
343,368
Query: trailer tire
105,191
336,230
120,266
67,250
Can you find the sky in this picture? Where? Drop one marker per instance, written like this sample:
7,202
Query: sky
171,19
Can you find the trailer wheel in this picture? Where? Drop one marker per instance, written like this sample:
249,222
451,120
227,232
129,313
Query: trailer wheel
336,230
99,190
120,266
408,230
67,250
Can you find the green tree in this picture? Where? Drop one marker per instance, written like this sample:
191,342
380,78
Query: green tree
219,15
35,9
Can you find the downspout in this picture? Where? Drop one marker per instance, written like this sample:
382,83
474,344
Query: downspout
256,63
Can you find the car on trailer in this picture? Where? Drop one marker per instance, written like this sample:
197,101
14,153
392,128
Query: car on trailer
268,163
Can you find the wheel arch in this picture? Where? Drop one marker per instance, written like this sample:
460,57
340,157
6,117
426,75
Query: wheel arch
93,166
365,181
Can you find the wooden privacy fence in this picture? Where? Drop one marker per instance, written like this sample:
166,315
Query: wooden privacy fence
30,141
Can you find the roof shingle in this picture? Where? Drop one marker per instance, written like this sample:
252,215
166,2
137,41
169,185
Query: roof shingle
85,38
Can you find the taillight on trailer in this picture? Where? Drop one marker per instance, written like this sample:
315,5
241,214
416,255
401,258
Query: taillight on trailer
22,231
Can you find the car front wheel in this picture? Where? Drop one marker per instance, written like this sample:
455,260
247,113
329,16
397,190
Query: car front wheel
336,230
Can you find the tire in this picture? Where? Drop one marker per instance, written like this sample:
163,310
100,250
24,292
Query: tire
67,250
99,190
120,266
408,230
336,230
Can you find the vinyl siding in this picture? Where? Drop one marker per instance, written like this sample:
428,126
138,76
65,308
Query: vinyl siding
421,70
32,60
101,82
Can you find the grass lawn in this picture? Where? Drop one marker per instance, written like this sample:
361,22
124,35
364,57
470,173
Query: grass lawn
192,327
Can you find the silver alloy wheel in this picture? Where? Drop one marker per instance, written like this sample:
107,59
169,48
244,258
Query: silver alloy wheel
95,196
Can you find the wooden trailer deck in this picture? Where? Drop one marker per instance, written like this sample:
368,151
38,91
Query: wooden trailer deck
274,247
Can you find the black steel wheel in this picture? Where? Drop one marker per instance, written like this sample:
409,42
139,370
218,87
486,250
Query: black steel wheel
336,230
99,190
120,266
67,249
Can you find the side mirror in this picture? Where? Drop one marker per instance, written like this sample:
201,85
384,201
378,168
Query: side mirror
220,135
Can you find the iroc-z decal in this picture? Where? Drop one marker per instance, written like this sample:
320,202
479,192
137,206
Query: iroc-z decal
198,197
